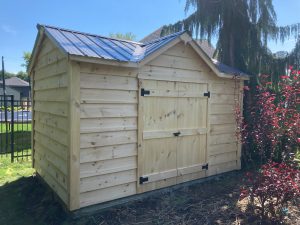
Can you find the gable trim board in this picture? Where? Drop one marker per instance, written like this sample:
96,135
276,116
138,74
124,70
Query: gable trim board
93,130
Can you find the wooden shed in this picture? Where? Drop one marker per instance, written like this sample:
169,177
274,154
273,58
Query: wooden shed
114,118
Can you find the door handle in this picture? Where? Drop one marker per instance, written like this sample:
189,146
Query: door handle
176,134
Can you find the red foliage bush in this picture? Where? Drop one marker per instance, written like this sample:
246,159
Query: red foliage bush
272,188
273,127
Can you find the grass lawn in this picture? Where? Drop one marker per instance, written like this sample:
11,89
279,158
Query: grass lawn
12,171
22,139
17,127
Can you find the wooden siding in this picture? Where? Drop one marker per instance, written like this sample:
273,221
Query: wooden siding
50,118
108,133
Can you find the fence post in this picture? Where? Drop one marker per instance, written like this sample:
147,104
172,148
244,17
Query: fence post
12,128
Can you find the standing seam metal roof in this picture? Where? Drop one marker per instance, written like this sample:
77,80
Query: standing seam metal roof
90,45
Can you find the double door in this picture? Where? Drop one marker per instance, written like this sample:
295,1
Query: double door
172,133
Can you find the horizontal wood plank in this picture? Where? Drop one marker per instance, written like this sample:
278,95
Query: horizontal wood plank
96,81
46,153
222,139
56,95
96,69
107,166
222,119
107,138
107,96
222,128
57,148
107,194
56,108
222,148
51,70
222,158
107,152
107,180
170,133
222,109
108,110
51,120
58,81
153,177
54,134
107,124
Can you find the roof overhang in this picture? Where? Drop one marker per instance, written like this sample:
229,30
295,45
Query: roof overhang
103,61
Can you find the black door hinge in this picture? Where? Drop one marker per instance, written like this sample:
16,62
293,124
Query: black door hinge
176,134
143,179
144,92
205,167
207,94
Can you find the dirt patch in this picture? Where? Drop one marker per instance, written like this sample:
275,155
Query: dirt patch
211,202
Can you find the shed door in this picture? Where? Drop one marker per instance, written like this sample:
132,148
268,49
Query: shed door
172,133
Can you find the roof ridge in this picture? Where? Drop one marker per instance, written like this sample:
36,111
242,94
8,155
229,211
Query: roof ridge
164,37
85,33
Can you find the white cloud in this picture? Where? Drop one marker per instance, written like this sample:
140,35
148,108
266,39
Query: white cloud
8,29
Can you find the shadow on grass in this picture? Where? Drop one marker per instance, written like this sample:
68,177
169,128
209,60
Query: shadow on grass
28,201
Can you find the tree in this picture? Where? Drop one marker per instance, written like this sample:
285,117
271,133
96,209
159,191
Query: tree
126,36
26,58
23,75
294,57
7,75
242,27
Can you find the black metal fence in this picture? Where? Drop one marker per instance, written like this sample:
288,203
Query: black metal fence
15,128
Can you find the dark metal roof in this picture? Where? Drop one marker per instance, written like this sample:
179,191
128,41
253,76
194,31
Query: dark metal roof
228,69
15,82
91,45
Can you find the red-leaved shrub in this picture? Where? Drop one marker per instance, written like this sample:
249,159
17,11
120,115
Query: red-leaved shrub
271,188
272,128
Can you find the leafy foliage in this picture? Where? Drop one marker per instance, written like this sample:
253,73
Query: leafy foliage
7,74
294,57
126,36
271,188
26,58
271,130
242,27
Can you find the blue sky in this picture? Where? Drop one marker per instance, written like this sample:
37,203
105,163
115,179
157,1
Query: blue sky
18,20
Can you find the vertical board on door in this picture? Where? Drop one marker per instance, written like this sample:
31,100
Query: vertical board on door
173,137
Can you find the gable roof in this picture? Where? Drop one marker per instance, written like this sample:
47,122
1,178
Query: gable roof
90,45
80,46
15,82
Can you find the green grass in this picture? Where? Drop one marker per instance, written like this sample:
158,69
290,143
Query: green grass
12,177
22,139
17,127
12,171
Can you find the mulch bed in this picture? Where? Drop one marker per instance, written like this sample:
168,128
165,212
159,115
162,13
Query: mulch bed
212,202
